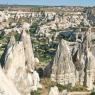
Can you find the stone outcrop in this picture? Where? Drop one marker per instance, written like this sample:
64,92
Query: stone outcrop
7,87
63,70
19,64
35,83
84,60
75,65
54,91
15,65
29,56
89,70
14,58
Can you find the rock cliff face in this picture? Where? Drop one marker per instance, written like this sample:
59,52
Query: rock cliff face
19,64
83,60
89,77
63,70
14,58
75,65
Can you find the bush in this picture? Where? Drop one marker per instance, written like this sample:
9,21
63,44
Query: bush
33,28
78,88
70,88
93,93
43,51
17,36
35,93
47,83
62,87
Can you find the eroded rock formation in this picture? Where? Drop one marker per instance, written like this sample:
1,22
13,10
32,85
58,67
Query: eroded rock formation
19,64
84,60
29,56
7,87
63,70
75,65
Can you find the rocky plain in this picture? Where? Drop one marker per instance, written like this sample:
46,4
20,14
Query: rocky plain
47,50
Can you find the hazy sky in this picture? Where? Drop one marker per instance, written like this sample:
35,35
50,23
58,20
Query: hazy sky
50,2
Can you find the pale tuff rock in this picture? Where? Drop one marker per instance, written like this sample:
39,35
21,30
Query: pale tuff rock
36,60
79,62
85,69
14,59
29,56
19,64
54,91
63,70
84,62
7,87
15,65
90,70
34,84
26,26
64,92
11,42
78,67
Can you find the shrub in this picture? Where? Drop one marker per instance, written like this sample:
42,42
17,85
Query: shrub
78,87
93,93
17,36
33,28
35,93
62,87
47,83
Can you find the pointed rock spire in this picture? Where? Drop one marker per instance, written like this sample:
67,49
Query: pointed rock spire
26,39
19,63
63,68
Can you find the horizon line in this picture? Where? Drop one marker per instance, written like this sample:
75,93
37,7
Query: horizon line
48,5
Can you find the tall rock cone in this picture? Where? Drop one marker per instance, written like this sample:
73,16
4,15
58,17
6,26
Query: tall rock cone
14,67
63,70
25,38
19,64
14,58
